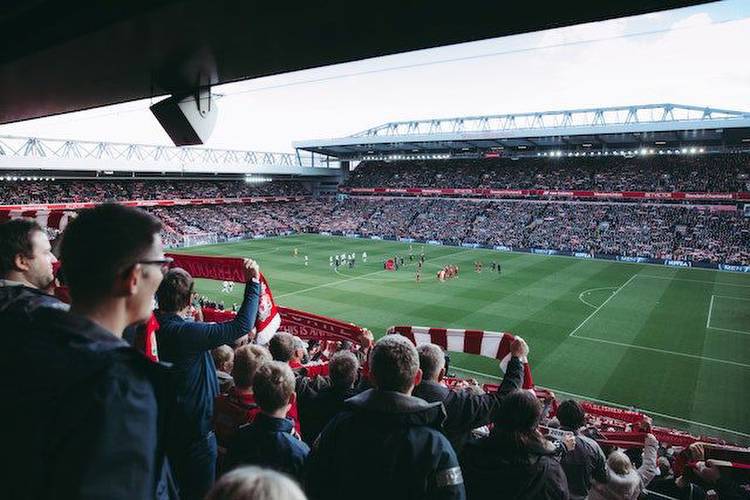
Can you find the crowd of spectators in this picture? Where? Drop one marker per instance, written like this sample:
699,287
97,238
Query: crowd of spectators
685,173
635,230
73,191
228,418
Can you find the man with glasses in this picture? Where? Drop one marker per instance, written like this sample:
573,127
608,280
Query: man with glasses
87,421
187,345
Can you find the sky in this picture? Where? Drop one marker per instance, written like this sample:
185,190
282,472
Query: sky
696,55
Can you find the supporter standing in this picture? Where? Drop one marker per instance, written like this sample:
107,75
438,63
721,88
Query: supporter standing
321,406
268,439
586,462
515,461
625,481
187,345
465,409
26,273
223,360
392,435
88,423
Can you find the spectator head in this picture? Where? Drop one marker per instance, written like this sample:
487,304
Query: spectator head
281,346
25,254
113,254
343,369
619,463
175,291
516,425
300,351
255,483
247,360
223,358
274,387
394,364
431,361
571,415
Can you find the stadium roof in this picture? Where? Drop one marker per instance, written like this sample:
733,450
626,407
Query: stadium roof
68,56
663,126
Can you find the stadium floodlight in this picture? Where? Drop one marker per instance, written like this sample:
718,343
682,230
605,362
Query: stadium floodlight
650,151
15,178
684,150
644,151
606,153
693,150
661,152
701,150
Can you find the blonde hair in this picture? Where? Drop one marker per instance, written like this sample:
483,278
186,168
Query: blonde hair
247,360
619,463
255,483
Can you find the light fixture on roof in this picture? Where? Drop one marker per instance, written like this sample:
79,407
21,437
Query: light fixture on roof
701,150
683,150
693,151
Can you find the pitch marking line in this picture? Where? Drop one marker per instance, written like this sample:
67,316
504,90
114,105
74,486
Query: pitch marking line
331,283
612,403
719,283
571,334
580,295
710,312
664,351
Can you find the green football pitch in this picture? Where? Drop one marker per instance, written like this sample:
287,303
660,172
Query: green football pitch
674,343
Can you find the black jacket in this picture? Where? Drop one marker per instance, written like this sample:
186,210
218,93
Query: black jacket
582,464
85,421
466,410
187,345
21,299
386,445
268,442
492,472
316,410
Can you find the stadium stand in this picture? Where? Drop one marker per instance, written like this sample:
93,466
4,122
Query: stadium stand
658,231
702,173
74,191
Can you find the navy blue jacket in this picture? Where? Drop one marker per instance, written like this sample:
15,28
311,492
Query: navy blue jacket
466,410
386,445
268,442
187,345
21,299
83,412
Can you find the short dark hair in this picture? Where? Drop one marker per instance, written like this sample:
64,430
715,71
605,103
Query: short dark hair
175,291
394,363
15,239
273,385
282,347
343,369
101,243
571,415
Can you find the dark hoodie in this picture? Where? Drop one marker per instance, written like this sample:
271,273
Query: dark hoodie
18,298
84,420
386,445
492,471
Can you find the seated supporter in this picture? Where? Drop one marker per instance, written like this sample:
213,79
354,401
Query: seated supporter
392,436
515,460
268,440
238,406
254,483
625,481
223,360
187,345
465,409
86,422
586,462
318,409
26,274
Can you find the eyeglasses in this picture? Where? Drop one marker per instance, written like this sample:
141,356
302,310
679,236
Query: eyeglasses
163,264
